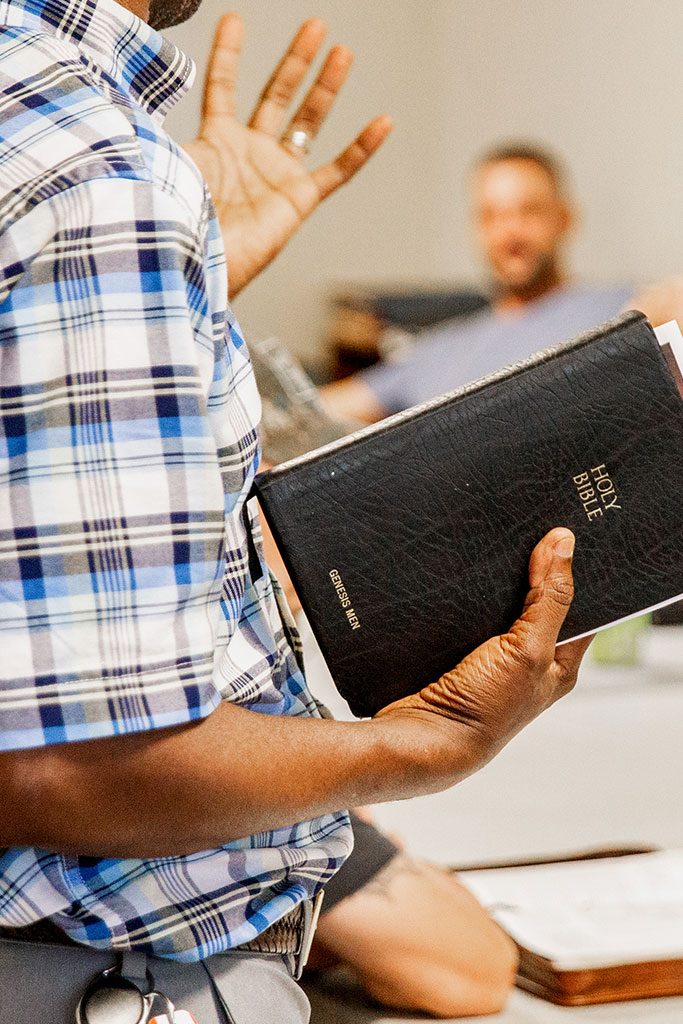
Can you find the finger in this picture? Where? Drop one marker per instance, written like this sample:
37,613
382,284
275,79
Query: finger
319,99
330,176
270,111
221,79
568,660
552,589
569,656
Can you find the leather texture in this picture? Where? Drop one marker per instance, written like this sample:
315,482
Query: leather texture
425,522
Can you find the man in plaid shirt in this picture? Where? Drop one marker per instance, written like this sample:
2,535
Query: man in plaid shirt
153,709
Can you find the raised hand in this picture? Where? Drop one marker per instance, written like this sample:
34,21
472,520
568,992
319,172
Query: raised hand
257,176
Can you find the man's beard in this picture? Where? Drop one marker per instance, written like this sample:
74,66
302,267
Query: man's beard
544,275
165,13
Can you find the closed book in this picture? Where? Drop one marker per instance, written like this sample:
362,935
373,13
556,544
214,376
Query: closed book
408,542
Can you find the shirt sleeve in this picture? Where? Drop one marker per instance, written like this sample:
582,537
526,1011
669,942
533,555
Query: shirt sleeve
391,383
112,543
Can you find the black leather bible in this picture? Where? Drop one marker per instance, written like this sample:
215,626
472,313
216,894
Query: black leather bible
408,542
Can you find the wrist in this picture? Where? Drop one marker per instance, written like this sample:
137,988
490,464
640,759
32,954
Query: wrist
427,752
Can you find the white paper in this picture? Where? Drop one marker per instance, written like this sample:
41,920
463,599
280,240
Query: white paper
596,913
624,618
670,334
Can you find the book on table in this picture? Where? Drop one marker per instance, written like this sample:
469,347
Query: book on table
408,541
592,930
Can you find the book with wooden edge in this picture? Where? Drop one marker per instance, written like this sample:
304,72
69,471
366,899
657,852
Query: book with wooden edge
596,928
408,542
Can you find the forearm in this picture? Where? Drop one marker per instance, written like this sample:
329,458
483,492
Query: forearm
352,400
165,792
418,940
233,774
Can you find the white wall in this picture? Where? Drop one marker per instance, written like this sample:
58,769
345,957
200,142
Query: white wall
601,81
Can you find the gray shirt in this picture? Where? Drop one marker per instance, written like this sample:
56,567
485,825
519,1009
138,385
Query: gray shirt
467,348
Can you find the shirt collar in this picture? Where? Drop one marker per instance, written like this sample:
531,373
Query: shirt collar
154,72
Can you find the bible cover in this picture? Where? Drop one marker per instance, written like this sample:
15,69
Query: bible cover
408,542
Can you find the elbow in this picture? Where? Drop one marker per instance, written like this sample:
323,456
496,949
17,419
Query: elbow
488,996
485,990
450,992
500,975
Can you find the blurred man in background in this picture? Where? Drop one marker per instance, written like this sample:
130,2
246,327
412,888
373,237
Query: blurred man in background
523,217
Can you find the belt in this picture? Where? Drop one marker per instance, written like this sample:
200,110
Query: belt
291,936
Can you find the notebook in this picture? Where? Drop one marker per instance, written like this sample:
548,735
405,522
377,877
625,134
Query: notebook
594,930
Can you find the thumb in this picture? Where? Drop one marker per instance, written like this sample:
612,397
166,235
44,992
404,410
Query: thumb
551,585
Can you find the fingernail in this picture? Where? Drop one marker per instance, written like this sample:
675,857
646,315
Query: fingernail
564,547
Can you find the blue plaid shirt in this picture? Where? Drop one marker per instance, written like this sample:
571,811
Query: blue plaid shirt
128,434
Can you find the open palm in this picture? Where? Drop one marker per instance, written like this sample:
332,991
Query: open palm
260,185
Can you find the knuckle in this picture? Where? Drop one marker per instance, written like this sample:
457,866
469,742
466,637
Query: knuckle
524,648
569,685
307,119
223,81
561,589
567,681
326,90
279,92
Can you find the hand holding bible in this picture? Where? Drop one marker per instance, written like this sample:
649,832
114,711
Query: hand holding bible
408,541
102,797
506,682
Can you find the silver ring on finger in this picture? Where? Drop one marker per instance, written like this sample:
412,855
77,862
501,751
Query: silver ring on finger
298,139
